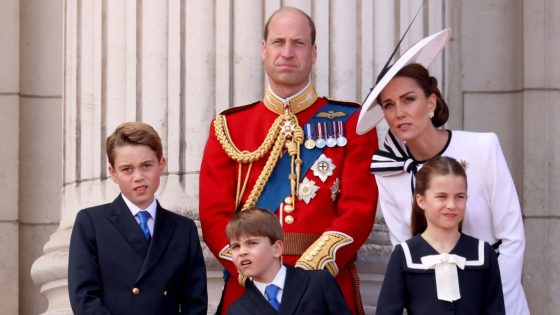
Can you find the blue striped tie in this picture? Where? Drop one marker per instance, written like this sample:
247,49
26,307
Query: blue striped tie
144,216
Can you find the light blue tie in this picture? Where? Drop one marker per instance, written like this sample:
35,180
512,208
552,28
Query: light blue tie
144,216
271,292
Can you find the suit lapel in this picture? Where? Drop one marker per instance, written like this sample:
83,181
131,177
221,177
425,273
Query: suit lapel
124,222
163,232
256,303
294,287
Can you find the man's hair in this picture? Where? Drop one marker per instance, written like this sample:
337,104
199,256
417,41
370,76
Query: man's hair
292,9
133,133
254,222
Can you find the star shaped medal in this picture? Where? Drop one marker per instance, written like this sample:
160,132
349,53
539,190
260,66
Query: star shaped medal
323,167
307,190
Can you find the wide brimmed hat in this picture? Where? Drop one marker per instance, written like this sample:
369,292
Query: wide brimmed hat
423,52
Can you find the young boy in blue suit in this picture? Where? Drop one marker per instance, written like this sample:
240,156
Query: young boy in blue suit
255,237
132,256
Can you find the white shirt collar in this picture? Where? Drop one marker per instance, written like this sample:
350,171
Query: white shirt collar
278,281
134,209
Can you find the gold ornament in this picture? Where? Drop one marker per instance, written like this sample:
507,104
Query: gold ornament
284,132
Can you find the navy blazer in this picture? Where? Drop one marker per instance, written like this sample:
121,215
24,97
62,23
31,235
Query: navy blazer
305,292
113,269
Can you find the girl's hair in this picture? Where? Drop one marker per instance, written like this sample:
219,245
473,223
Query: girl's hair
429,86
439,165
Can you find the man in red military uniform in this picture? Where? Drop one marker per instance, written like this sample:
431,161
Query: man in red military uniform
296,154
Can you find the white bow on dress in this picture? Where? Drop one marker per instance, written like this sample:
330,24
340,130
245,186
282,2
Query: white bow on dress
447,280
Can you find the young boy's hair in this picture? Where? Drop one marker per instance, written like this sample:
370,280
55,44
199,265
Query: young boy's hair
133,133
254,222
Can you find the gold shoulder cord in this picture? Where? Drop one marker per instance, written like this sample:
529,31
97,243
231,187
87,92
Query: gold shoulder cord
284,132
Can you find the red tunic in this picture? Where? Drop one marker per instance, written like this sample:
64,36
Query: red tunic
352,211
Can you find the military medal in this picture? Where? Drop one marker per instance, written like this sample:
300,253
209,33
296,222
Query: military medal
320,143
341,139
307,190
309,143
288,127
331,141
323,167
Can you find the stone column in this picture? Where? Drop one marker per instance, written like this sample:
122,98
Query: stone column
40,125
492,78
541,176
9,128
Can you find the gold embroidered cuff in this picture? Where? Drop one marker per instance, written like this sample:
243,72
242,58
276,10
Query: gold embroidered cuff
322,254
225,253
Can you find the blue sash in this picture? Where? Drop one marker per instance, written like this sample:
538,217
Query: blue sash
278,186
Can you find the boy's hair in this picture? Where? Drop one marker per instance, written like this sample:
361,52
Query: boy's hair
133,133
254,222
438,165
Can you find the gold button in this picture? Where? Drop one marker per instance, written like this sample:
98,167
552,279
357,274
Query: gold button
288,209
135,291
308,258
314,253
289,219
288,200
165,293
326,238
322,243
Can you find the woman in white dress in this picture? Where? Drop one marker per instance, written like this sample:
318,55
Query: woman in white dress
411,103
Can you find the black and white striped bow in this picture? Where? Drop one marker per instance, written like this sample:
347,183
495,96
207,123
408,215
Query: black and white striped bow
393,159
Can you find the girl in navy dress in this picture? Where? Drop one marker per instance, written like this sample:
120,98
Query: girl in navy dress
441,270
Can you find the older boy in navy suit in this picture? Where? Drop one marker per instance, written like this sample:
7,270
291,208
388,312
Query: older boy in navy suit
132,256
255,238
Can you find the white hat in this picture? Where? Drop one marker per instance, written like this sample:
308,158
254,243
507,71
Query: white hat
424,52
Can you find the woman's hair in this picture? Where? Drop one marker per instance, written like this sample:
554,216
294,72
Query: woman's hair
429,85
436,166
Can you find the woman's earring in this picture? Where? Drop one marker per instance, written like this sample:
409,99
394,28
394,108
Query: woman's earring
430,115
